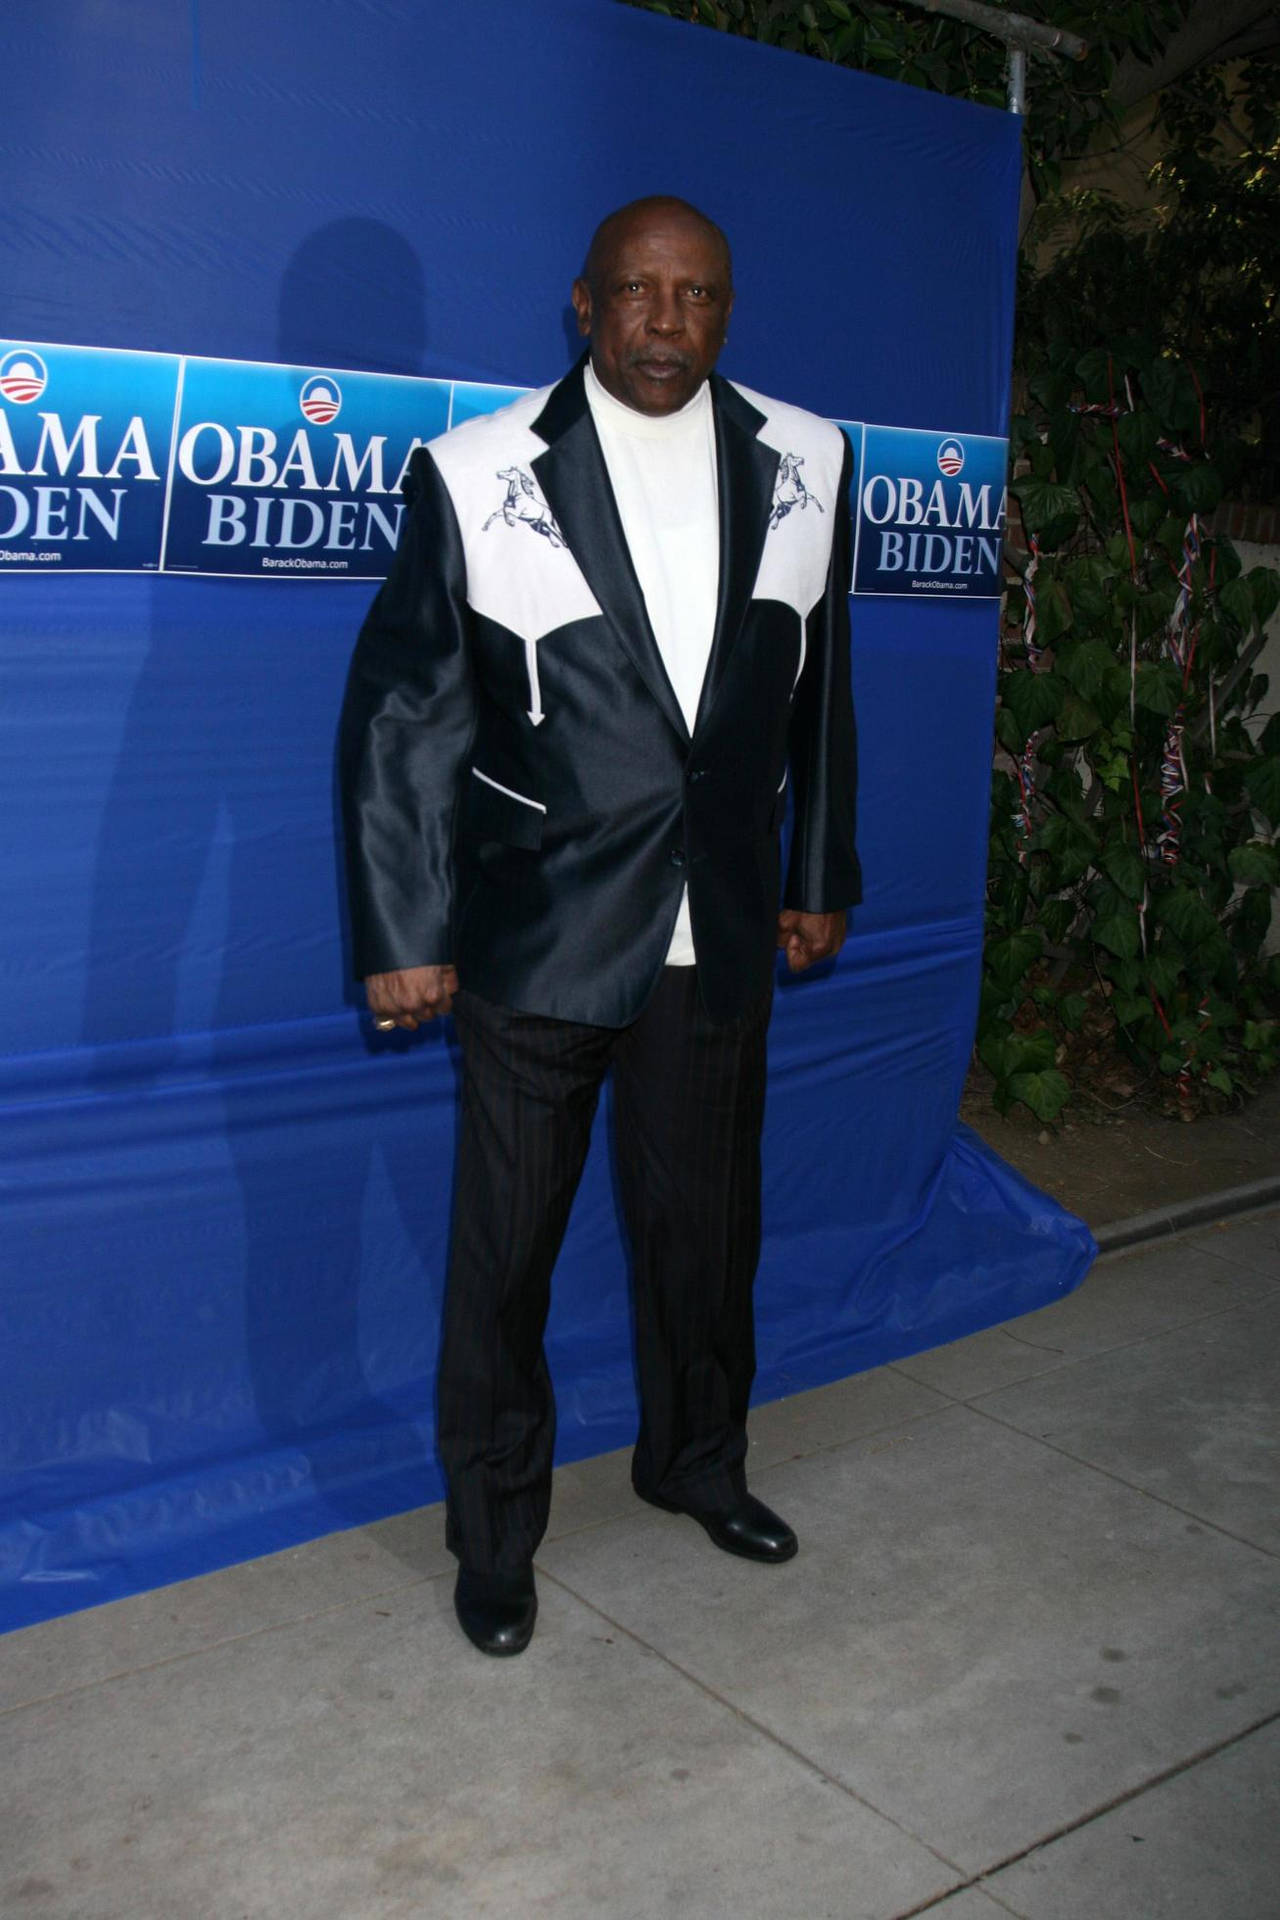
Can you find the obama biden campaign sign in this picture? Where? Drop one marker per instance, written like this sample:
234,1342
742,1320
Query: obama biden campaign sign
165,463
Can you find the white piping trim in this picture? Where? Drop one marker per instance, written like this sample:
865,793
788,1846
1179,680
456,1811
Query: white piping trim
509,791
782,784
804,647
536,715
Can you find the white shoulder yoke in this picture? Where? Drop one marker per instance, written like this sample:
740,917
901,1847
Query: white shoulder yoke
520,572
785,425
802,518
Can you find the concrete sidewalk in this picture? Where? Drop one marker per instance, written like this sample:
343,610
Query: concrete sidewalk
1027,1662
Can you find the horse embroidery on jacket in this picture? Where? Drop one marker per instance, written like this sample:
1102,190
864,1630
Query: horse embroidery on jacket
525,504
789,490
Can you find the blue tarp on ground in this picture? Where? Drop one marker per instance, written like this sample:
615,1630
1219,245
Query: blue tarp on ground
225,1209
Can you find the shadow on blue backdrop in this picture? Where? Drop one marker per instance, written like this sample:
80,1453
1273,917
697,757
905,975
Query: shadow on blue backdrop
226,1205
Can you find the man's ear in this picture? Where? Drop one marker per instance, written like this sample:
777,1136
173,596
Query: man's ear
581,297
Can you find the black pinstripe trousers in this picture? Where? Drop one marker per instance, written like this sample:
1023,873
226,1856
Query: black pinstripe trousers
688,1109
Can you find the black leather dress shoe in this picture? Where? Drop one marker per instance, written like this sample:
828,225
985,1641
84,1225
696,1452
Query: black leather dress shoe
496,1611
750,1529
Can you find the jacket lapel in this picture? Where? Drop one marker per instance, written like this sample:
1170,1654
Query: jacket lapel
746,473
575,484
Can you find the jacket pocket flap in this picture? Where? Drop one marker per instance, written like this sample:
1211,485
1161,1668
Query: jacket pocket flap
491,811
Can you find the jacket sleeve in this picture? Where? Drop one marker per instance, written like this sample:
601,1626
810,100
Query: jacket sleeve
824,875
407,721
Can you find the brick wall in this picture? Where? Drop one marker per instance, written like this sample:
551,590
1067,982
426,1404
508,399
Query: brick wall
1251,521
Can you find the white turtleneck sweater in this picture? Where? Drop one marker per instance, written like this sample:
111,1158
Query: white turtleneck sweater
662,468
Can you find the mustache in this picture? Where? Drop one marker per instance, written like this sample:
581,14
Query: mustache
659,357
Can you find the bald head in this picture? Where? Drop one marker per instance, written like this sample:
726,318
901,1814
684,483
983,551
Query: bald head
664,208
654,298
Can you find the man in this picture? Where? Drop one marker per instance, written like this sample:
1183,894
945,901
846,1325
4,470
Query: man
617,622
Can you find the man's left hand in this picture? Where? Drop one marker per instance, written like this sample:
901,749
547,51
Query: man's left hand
809,937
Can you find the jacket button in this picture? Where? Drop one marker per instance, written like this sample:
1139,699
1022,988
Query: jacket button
677,856
696,773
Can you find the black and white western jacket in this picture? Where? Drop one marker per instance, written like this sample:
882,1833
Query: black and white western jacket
521,793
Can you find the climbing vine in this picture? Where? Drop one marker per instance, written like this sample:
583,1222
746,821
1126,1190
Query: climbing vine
1135,808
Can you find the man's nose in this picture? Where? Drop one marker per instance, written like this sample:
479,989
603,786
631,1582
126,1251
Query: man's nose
665,312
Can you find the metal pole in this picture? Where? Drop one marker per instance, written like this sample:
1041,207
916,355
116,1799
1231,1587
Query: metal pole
1015,29
1018,80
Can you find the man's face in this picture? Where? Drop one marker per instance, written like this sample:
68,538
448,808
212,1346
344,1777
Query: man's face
656,309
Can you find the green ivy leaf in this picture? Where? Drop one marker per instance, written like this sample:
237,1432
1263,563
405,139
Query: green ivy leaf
1071,1011
1158,686
1145,516
1137,433
991,1043
1123,865
1097,370
1008,732
1255,863
1200,487
1031,1052
1154,608
1033,698
1236,599
1169,535
1086,664
1044,501
1163,975
1071,848
1008,959
1090,584
1220,1079
1184,912
1169,388
1077,720
1262,783
1112,769
1046,1093
1055,836
1131,1009
1118,933
1253,918
1264,585
1054,613
1051,387
1057,916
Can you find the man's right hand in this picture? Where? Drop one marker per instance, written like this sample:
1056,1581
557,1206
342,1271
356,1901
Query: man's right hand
411,996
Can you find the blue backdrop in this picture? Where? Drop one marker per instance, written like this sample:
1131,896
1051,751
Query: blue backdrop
225,1208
